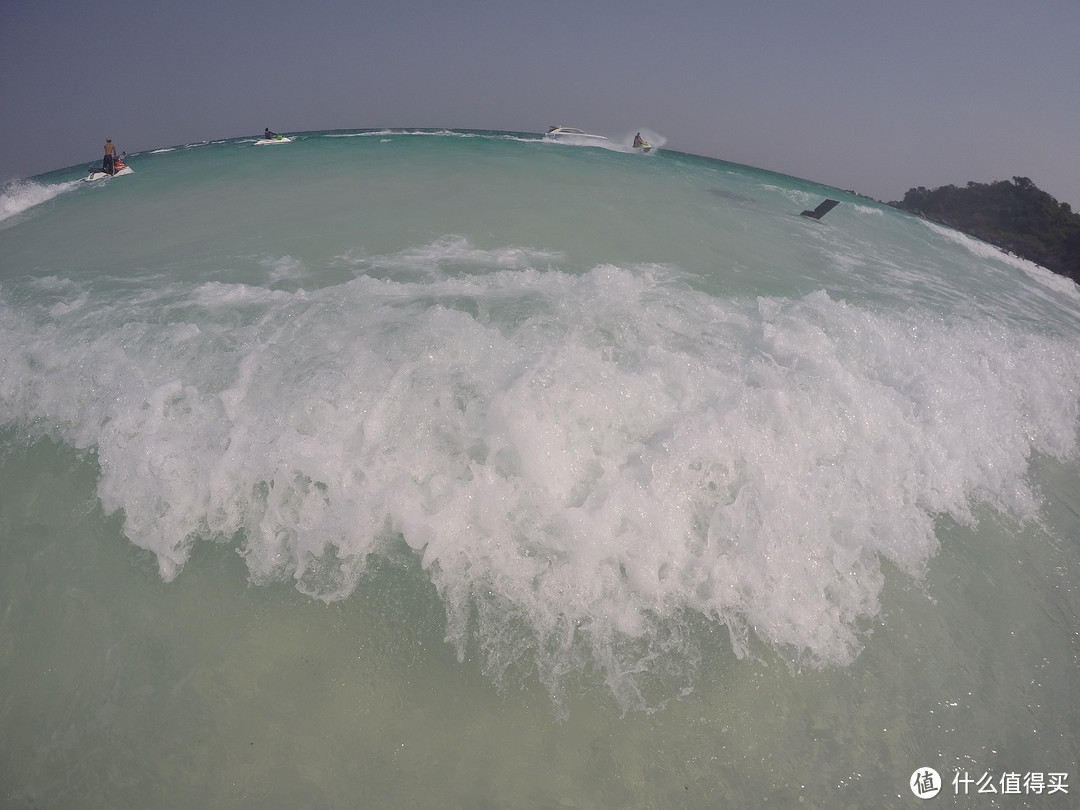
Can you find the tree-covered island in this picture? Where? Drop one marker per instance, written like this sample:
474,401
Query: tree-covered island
1015,216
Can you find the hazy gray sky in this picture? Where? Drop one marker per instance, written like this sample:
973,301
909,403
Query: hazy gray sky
877,96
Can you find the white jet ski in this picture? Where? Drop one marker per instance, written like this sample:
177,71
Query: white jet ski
119,168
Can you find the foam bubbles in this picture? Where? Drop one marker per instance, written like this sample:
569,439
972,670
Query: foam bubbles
579,462
21,195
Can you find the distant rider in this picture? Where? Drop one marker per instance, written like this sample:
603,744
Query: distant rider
638,142
108,163
268,134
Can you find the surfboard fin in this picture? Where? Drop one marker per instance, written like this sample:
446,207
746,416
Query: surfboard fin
822,209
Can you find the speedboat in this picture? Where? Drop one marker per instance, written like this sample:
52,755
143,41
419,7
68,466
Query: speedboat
572,135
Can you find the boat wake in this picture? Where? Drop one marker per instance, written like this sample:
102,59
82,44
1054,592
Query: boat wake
21,195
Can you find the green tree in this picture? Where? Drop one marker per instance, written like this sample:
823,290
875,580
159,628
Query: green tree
1016,216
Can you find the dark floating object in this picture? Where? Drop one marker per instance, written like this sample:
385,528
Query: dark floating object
822,209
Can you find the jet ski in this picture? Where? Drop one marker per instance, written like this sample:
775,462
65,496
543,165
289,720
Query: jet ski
98,173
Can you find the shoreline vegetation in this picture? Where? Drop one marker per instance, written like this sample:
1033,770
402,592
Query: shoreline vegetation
1016,217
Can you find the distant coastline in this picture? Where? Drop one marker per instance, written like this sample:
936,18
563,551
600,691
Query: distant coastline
1016,216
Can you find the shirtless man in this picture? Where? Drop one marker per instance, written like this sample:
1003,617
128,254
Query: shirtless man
108,163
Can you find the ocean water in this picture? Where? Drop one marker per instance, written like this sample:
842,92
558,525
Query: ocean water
455,469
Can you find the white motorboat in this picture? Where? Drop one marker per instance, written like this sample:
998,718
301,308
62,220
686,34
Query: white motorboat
573,135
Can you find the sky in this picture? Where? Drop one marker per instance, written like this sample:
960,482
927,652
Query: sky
875,96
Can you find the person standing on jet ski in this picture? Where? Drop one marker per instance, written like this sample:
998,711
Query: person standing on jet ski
108,163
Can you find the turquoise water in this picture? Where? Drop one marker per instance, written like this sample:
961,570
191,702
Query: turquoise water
463,469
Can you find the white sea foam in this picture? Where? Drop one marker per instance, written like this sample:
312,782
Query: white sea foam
976,246
381,133
578,460
984,250
282,268
868,210
1053,286
21,195
452,252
